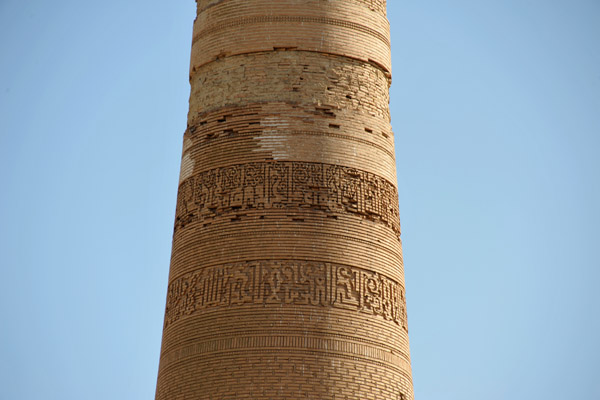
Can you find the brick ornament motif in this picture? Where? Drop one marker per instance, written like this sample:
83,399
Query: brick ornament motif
286,277
293,282
286,184
373,5
283,19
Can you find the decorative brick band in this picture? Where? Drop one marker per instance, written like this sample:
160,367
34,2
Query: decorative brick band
287,19
221,135
292,282
346,137
375,5
330,345
333,189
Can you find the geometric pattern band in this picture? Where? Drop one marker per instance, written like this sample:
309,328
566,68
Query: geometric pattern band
286,19
329,344
332,189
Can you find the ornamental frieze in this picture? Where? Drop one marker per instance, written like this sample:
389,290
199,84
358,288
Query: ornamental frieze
299,283
332,189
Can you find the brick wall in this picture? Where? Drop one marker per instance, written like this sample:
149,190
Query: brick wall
286,276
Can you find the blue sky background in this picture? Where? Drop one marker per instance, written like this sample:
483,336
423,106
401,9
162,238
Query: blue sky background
496,112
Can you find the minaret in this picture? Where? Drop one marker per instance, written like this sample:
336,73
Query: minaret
286,277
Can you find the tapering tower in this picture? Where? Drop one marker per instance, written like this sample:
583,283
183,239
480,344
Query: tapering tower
286,276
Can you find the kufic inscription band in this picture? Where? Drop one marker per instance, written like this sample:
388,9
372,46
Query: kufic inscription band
332,189
292,282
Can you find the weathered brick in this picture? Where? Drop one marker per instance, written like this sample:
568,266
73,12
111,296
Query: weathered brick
286,278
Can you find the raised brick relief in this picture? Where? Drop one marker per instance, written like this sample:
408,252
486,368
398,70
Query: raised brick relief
374,5
270,19
286,277
332,189
293,282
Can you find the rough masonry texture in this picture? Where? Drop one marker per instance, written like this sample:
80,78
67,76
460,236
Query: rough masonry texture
286,277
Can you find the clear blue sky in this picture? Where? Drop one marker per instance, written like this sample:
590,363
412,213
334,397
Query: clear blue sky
496,112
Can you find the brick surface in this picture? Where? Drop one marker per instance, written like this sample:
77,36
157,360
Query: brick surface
286,276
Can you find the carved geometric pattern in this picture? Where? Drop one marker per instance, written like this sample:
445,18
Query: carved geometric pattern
375,5
294,282
333,189
289,19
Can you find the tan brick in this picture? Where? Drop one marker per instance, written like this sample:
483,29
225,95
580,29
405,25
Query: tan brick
286,276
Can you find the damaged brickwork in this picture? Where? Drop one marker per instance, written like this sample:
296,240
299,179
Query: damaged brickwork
287,276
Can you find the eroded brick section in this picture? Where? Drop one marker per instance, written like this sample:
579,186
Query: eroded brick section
305,78
286,277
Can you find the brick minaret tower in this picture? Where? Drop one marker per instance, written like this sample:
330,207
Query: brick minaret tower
286,277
